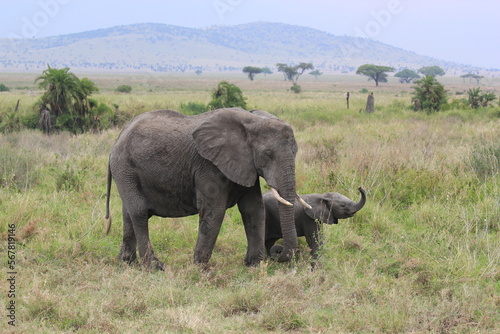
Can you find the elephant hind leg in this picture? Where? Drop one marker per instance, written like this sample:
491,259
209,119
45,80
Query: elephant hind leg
135,232
128,251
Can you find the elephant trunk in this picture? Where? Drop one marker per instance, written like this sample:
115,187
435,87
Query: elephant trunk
286,188
358,206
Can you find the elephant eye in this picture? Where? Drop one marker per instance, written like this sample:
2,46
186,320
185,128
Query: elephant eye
268,154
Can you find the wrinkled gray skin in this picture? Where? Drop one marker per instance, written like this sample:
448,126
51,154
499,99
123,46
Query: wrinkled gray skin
171,165
327,208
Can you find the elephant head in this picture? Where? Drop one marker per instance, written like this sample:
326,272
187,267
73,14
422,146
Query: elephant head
330,207
254,144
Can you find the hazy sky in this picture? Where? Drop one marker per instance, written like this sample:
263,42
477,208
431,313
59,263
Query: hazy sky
465,31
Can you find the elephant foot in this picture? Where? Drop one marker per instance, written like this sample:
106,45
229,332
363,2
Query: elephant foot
151,262
157,265
127,256
254,260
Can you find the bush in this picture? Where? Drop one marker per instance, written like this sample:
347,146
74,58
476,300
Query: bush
227,95
4,88
99,117
124,89
193,108
296,89
69,179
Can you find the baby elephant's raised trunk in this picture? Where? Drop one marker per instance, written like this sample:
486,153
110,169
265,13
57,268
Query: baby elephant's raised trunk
358,206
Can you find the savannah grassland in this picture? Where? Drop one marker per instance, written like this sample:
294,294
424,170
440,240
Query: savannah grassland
423,256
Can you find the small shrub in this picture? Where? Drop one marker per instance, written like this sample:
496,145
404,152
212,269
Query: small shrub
457,104
69,179
364,91
124,89
296,89
397,105
4,88
10,122
193,108
30,120
227,95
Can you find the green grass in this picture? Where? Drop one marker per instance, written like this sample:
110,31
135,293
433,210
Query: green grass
423,256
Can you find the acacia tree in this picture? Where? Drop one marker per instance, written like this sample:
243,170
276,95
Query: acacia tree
430,93
292,73
375,72
266,70
407,75
316,73
432,70
252,71
472,76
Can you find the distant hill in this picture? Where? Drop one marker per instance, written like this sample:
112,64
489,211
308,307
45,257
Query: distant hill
168,48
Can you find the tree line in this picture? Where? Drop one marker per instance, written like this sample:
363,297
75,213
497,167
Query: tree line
67,103
290,72
378,73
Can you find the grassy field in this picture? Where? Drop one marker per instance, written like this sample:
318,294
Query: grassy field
423,255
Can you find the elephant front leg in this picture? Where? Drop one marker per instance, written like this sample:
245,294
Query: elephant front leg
209,227
314,240
252,212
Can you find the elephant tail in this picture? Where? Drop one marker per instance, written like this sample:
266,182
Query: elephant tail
108,216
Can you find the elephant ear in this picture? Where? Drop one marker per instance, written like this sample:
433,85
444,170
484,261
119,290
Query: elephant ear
321,207
222,139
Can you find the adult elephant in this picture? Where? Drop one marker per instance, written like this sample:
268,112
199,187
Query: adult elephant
326,208
168,164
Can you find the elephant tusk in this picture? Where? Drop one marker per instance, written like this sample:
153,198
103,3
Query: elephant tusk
304,203
279,198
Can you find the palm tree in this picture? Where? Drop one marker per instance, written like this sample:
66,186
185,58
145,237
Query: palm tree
479,99
474,97
87,87
63,90
227,95
430,93
67,98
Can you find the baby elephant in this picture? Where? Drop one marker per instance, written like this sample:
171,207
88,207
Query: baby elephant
327,208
